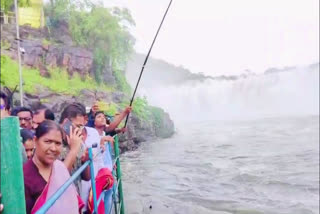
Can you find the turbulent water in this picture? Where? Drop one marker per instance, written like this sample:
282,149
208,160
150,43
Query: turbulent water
261,166
246,146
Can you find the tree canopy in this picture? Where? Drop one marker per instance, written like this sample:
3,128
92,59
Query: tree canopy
103,30
8,5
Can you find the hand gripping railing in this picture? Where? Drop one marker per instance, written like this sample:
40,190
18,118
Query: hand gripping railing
115,192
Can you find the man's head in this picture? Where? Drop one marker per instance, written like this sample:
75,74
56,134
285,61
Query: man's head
100,119
40,115
28,143
25,117
76,113
5,105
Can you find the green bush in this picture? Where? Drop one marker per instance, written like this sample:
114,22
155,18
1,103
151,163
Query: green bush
6,5
140,107
157,114
122,83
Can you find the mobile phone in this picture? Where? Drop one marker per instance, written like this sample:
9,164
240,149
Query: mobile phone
66,126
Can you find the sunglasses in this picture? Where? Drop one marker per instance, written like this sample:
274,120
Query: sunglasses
2,107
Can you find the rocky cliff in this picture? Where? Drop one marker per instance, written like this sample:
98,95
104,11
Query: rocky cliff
41,53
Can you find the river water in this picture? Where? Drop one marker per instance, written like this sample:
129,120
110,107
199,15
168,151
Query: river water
248,146
268,165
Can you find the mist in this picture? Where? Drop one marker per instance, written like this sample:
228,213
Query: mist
291,92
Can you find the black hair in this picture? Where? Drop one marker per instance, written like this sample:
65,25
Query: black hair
6,100
105,115
14,111
17,110
99,112
73,110
48,114
46,126
26,135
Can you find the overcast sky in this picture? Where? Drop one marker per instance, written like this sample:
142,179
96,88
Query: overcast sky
228,36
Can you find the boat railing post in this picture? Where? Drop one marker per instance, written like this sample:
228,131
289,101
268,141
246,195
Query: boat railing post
11,172
93,183
118,170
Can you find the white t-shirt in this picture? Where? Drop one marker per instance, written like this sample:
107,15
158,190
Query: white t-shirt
103,160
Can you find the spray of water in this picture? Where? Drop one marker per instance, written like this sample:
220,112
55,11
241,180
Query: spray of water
291,93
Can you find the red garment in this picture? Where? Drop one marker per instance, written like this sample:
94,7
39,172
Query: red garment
104,181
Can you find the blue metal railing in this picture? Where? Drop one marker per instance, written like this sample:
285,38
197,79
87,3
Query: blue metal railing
115,193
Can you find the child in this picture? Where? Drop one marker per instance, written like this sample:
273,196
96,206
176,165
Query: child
27,140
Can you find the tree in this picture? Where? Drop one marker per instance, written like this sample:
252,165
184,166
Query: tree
104,31
8,5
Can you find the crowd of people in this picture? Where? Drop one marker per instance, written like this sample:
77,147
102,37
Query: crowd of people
53,151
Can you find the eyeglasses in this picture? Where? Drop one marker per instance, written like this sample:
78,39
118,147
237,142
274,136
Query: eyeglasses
27,119
80,127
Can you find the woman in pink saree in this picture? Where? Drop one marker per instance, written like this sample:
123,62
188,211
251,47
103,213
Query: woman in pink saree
44,174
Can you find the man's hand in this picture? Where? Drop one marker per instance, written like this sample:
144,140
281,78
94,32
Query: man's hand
104,140
128,110
95,108
85,156
75,139
121,130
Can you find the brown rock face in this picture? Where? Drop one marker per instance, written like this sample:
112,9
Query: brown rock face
77,60
40,54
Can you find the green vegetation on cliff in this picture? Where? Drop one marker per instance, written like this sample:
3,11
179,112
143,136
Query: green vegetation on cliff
157,115
59,80
122,83
7,5
103,30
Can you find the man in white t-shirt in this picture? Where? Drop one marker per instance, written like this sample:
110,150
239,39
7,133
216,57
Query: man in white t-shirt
103,160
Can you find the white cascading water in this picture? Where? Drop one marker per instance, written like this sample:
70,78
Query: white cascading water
290,93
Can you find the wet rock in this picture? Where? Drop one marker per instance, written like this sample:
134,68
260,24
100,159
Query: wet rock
61,33
104,96
86,97
108,77
166,127
118,96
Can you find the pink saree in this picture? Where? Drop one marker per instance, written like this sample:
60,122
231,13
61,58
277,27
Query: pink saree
69,201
